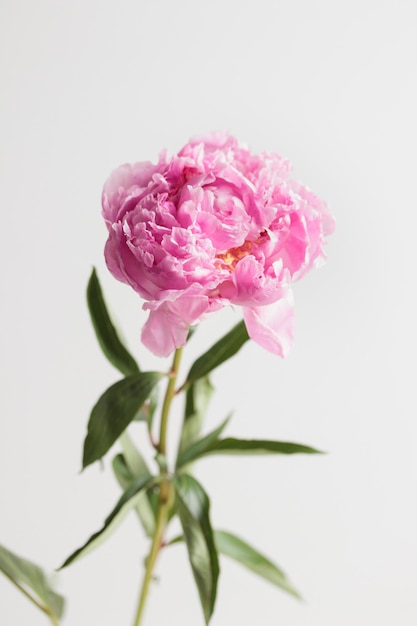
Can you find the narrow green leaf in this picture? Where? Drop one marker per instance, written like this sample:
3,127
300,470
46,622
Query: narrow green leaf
31,578
106,333
125,479
152,405
122,472
192,505
174,540
198,448
134,459
127,501
114,411
143,507
218,353
252,447
197,400
237,549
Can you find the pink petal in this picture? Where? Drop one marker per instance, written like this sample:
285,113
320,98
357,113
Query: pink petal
168,323
272,326
164,331
251,286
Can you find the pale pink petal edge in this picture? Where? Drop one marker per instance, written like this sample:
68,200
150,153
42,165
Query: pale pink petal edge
272,326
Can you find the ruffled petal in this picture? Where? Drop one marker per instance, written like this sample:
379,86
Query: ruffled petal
249,285
212,226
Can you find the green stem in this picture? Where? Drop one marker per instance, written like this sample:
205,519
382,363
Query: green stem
150,564
169,395
164,492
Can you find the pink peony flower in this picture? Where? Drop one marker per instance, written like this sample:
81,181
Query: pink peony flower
212,226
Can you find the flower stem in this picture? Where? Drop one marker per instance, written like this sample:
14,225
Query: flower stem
164,491
170,393
150,563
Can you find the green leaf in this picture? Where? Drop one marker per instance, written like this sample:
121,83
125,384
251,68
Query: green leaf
152,405
192,505
105,331
220,352
114,411
127,501
122,472
197,400
28,577
147,411
198,448
135,461
143,507
248,447
147,511
175,540
237,549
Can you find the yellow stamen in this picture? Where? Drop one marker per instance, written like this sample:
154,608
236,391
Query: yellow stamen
232,256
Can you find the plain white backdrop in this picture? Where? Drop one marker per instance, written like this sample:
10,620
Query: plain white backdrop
89,85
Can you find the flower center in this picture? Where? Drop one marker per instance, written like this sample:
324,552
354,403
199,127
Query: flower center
232,256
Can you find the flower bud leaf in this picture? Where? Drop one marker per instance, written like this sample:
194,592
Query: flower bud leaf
114,411
222,350
240,551
32,581
106,333
206,446
126,502
198,448
192,505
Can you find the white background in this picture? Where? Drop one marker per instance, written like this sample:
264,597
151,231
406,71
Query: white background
89,85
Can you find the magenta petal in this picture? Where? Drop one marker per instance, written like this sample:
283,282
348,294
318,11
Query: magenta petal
272,326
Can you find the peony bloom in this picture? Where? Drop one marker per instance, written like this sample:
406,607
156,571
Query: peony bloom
212,226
